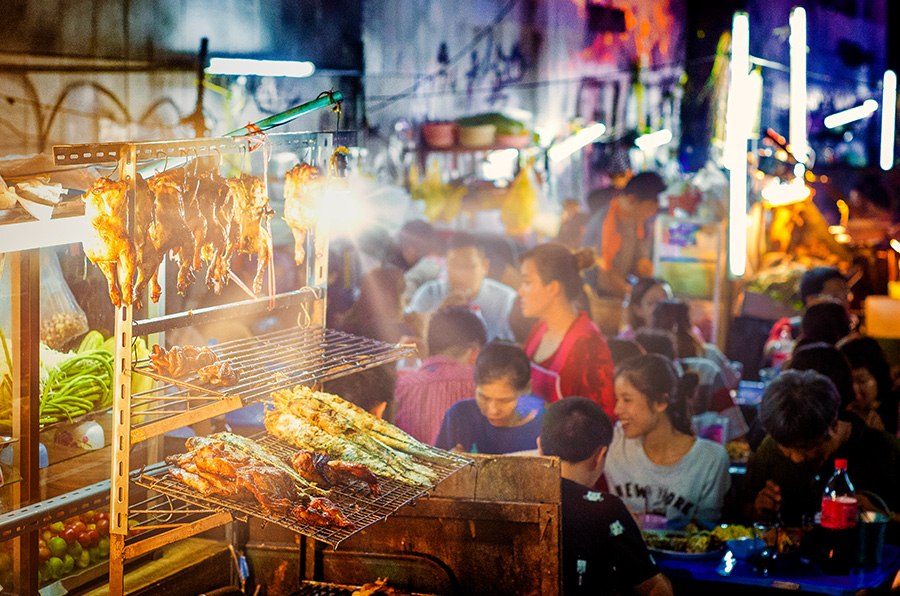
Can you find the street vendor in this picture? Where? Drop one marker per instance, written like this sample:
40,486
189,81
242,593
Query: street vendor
619,234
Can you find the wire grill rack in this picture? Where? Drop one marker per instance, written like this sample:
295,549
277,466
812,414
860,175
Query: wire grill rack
274,360
354,500
314,588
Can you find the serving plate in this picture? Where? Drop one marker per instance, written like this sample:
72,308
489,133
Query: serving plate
655,537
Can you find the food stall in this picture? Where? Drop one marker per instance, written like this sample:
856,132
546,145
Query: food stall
154,388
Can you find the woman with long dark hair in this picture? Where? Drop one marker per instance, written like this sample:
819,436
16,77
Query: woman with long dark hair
876,400
655,464
569,355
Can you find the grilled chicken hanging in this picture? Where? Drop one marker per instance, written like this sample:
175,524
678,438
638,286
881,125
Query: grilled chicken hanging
299,211
194,217
169,232
247,232
148,257
109,245
215,204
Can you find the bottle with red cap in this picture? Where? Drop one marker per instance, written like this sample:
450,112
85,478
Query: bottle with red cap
838,520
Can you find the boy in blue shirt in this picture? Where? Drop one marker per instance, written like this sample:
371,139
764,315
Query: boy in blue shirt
503,417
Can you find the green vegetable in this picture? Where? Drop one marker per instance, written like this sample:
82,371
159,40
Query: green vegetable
93,340
505,125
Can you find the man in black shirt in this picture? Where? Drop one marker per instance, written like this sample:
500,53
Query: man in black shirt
603,551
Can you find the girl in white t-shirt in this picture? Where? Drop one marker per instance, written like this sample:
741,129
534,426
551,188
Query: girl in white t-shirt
655,464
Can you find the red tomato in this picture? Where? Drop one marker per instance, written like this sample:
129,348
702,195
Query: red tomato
88,516
84,539
93,536
103,527
79,526
69,535
103,515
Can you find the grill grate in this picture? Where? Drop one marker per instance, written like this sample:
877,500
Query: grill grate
354,500
314,588
275,360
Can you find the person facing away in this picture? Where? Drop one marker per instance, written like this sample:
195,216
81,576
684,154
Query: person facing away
503,417
786,476
816,284
467,284
455,336
569,354
371,389
603,551
619,234
656,465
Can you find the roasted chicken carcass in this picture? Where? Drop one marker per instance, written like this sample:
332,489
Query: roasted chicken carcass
325,471
215,205
169,232
247,233
194,217
299,210
109,245
219,373
148,257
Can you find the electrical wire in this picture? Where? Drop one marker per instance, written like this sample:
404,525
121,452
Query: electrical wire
462,53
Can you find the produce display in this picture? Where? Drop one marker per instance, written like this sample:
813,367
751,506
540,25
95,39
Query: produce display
325,423
72,383
67,547
230,466
443,201
194,218
520,206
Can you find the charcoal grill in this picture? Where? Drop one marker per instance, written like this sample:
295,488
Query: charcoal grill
354,500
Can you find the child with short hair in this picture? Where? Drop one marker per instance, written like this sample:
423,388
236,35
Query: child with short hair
503,417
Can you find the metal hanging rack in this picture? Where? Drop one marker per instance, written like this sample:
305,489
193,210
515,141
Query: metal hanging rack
305,355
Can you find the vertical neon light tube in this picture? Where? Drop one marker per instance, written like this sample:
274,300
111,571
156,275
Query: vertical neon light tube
737,128
888,119
797,42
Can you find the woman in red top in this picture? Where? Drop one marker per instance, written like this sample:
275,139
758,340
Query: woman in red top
569,354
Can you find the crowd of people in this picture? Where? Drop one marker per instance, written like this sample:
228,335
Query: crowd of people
640,420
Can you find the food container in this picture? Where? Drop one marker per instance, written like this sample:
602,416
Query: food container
514,141
482,135
439,135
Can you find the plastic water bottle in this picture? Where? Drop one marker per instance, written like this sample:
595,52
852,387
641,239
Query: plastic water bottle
838,520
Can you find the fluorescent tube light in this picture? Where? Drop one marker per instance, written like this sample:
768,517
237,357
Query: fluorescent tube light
653,140
584,137
737,130
888,119
853,114
261,68
797,118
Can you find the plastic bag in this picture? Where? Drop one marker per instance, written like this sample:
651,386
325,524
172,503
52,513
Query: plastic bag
62,320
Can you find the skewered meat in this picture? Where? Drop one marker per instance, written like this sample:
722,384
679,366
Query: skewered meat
219,373
169,231
246,232
179,361
148,257
321,469
299,211
109,245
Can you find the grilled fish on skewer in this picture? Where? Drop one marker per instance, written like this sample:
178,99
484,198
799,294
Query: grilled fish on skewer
388,434
301,433
109,245
336,424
